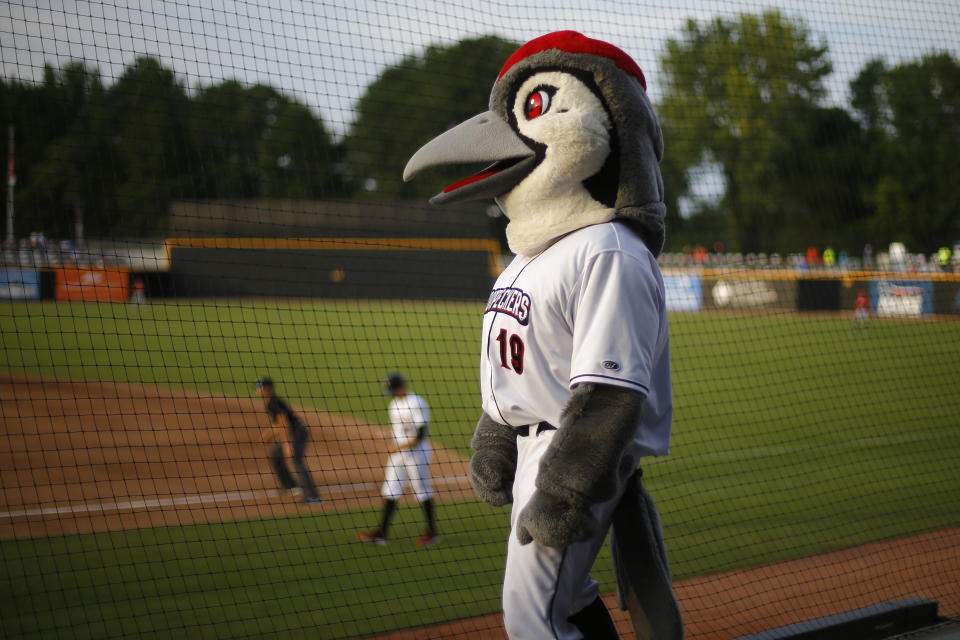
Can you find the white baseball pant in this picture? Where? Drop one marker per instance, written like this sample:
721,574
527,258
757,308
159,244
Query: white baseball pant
543,585
411,466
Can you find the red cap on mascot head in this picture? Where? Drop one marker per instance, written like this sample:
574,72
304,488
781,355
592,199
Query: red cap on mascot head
573,42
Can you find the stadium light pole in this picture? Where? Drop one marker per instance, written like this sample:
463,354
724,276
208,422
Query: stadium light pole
11,181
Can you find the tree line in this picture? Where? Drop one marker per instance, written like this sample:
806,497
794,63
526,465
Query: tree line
743,96
122,153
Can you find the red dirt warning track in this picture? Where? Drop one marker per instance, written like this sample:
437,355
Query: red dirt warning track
748,601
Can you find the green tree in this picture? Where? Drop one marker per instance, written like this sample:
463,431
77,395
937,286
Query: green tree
41,114
225,124
295,155
146,149
120,158
821,183
251,142
675,185
414,101
733,90
911,115
121,154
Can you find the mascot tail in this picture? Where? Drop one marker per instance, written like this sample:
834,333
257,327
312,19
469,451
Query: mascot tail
640,559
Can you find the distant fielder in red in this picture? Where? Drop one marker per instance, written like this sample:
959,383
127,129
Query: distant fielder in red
861,310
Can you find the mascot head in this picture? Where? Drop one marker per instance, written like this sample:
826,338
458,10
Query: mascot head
573,141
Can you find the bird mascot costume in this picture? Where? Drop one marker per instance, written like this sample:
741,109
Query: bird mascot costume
575,359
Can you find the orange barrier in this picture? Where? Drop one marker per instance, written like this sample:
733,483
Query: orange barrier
93,283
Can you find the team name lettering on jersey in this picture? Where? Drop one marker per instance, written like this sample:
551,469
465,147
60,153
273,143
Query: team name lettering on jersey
511,301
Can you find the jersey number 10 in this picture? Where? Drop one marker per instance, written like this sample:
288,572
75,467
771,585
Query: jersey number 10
515,345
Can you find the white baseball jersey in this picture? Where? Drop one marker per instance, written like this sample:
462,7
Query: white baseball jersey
410,466
590,308
407,414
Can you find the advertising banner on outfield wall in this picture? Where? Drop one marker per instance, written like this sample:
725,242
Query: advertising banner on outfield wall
902,298
683,291
743,293
103,284
19,284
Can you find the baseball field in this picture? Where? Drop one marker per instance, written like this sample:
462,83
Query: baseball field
813,469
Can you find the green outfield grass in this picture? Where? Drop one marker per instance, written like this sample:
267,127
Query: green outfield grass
330,355
302,576
793,435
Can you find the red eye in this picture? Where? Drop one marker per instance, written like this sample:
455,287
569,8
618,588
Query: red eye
537,104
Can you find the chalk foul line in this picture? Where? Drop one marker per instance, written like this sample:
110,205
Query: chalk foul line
211,498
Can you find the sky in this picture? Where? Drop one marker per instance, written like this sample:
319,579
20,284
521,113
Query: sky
324,54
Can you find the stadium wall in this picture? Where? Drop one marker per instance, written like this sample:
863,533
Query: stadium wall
456,269
412,268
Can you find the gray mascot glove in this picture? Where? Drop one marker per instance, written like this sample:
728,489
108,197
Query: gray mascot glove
554,522
587,462
494,464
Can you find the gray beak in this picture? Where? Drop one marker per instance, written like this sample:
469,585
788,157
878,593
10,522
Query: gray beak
484,138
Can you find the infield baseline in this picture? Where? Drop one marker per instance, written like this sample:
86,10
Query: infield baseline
212,498
341,489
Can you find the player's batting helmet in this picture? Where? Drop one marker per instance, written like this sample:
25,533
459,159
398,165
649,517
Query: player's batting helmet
394,381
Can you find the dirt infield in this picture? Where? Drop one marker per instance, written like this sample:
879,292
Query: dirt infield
82,456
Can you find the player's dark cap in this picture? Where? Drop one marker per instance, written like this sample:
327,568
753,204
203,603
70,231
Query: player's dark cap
264,382
394,381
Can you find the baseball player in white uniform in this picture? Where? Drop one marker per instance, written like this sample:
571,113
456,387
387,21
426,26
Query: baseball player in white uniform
409,462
